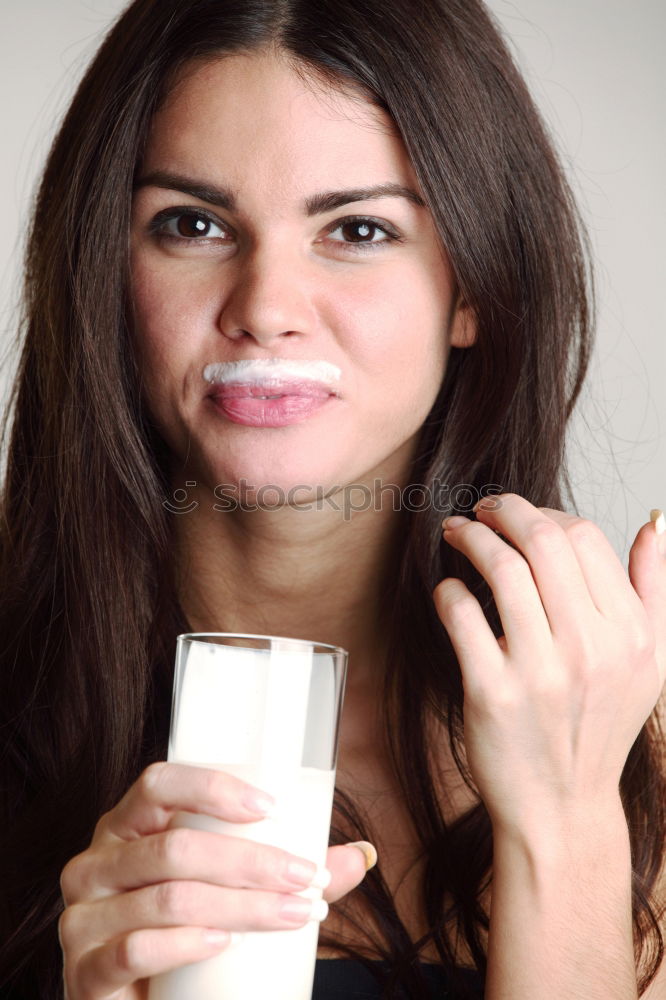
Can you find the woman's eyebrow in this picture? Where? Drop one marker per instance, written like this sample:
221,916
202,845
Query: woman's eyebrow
314,205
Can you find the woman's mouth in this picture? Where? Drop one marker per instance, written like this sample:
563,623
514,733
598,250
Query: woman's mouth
275,404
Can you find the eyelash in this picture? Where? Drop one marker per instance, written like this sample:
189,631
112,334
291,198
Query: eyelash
173,214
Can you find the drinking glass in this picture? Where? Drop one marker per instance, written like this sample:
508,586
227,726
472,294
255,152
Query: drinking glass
265,709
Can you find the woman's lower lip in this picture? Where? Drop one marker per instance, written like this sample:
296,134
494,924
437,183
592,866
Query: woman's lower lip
279,411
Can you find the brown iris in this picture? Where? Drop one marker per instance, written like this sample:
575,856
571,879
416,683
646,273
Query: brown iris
192,225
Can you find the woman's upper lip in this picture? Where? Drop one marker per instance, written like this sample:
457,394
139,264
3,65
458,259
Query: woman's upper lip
272,387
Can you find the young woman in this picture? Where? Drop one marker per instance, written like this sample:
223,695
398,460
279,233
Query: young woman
240,190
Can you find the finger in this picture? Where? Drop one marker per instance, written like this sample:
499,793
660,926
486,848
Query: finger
348,865
605,577
560,583
526,626
166,788
144,953
647,572
191,904
193,855
472,638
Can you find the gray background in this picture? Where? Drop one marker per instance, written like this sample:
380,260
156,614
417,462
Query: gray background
596,69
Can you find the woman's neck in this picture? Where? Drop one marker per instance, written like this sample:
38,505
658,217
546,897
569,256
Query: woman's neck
306,574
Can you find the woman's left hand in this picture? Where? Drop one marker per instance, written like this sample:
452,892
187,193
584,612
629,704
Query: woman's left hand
552,708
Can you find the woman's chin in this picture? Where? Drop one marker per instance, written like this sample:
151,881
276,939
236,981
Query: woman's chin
267,487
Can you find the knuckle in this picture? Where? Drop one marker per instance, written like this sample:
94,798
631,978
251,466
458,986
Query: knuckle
454,600
448,591
461,608
584,646
267,865
519,612
172,900
69,924
151,780
173,847
552,684
502,703
213,784
644,641
491,700
69,879
649,645
101,825
582,531
254,861
546,536
129,952
507,564
77,879
259,864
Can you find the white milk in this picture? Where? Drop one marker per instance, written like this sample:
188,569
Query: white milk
239,712
269,964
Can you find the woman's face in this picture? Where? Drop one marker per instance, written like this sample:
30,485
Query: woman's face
244,249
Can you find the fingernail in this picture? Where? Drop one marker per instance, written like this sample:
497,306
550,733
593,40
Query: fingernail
217,939
657,516
298,909
305,874
259,802
319,910
489,503
368,851
322,879
454,522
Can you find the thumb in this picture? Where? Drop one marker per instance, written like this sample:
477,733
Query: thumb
647,572
348,864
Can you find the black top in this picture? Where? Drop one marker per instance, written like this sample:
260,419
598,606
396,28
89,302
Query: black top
348,979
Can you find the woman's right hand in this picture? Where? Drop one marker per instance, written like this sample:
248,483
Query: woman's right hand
146,897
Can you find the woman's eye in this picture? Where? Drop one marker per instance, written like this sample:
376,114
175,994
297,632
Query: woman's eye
358,233
185,226
181,226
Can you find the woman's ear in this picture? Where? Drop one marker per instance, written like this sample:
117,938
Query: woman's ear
463,327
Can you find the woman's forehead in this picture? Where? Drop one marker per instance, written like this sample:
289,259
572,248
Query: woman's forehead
270,73
253,116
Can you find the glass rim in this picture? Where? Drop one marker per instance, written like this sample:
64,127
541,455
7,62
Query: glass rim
269,638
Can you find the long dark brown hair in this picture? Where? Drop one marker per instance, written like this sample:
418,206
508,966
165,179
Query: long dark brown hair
88,608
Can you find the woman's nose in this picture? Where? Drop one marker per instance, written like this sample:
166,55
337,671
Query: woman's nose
269,297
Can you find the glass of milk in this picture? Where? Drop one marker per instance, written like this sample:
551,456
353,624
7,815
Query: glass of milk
266,709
